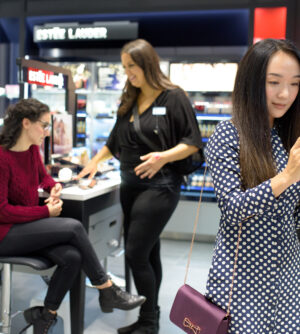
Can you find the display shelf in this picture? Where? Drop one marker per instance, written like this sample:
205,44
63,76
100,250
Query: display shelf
104,115
208,117
194,186
194,196
83,91
50,90
210,109
80,124
108,91
55,98
197,188
98,91
82,114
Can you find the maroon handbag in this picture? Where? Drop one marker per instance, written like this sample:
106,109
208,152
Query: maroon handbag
193,312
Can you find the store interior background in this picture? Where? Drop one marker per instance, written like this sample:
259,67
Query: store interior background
189,37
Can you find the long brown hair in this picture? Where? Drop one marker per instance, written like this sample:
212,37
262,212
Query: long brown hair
144,55
250,113
12,128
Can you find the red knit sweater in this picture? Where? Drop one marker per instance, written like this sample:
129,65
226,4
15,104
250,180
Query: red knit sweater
21,174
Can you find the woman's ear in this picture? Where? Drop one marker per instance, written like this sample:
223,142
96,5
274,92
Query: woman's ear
26,123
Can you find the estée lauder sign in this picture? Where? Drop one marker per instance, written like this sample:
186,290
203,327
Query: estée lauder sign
83,32
45,78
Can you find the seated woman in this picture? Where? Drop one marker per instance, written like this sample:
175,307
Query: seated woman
26,227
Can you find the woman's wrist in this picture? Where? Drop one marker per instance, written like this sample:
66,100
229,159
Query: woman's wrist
96,159
163,156
281,182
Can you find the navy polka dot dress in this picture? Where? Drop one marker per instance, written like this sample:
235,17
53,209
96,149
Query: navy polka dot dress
266,294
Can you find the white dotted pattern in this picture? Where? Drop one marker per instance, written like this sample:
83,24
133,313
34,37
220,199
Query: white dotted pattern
266,294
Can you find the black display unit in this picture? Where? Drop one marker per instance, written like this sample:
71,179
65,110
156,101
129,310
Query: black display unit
80,121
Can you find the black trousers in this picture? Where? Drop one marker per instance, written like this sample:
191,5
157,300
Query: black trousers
65,242
146,212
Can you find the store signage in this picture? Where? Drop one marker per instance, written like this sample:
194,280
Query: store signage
45,78
77,32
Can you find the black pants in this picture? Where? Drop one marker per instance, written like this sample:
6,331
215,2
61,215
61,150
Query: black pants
65,242
146,211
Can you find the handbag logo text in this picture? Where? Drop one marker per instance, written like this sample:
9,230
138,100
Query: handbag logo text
187,323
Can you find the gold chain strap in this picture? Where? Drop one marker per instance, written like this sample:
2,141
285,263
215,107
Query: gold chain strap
193,239
195,227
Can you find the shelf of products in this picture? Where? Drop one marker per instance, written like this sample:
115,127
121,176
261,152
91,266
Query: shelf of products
80,118
55,98
210,108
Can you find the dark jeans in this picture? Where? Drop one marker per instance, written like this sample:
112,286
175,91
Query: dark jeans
62,240
146,211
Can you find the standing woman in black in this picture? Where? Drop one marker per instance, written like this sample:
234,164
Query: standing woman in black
150,185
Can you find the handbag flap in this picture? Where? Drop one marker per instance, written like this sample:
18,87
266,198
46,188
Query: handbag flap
195,314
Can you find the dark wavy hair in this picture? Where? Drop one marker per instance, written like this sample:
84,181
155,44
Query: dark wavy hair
144,55
31,109
250,112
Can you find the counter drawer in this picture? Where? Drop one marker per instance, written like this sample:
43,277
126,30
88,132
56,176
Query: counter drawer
105,230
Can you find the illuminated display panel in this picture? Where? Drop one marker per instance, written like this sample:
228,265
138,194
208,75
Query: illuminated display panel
111,76
217,77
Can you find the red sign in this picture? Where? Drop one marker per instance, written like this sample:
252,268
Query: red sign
269,23
45,78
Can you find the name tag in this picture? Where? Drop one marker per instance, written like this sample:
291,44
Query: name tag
159,111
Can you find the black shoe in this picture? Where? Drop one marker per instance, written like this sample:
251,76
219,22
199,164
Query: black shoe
41,319
114,297
146,324
128,329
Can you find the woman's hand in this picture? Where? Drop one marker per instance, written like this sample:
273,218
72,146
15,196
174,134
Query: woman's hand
153,162
292,170
54,193
55,207
291,173
91,168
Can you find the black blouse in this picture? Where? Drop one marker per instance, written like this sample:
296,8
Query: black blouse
176,122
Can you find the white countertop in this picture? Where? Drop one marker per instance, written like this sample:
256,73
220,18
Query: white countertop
78,194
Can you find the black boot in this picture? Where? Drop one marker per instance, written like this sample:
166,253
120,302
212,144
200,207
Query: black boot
129,329
115,297
41,319
146,324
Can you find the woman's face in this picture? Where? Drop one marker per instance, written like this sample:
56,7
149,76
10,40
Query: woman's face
282,84
37,131
134,73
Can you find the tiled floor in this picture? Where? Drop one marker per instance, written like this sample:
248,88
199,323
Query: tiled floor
174,256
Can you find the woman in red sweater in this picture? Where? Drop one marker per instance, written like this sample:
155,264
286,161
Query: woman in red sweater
27,227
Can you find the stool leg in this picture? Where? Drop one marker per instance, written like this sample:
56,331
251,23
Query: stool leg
6,294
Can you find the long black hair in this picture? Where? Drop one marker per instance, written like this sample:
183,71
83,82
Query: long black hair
250,112
31,109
